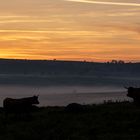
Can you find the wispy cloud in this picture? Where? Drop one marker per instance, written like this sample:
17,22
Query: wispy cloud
107,3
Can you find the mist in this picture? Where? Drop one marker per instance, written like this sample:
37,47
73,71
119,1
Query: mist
63,95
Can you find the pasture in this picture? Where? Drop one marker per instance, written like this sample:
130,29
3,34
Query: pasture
108,121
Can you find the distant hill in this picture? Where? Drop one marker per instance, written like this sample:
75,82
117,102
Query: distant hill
50,67
52,72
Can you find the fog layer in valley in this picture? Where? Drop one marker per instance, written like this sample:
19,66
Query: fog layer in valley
63,95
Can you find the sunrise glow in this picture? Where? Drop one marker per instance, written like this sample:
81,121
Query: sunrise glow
89,30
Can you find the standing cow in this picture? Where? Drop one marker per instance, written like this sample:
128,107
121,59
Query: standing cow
19,106
134,93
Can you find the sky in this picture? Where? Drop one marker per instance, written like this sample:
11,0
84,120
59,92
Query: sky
78,30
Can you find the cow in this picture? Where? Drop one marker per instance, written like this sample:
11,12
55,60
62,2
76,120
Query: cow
134,93
19,106
74,108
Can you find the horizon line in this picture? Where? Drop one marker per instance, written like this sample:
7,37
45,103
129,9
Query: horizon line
86,61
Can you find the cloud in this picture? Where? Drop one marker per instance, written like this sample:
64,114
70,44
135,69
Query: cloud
107,3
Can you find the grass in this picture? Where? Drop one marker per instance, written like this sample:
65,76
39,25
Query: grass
108,121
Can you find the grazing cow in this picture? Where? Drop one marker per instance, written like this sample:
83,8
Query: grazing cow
134,93
74,108
19,106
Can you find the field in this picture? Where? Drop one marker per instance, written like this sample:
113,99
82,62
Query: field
108,121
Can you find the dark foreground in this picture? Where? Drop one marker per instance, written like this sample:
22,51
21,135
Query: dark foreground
110,121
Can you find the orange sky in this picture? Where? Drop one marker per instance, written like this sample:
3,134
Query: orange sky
89,30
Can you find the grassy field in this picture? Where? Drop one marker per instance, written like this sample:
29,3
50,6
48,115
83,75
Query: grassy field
109,121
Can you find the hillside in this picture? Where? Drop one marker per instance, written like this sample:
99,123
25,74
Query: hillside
48,67
67,72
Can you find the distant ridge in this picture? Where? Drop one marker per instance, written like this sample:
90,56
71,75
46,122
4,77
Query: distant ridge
60,67
58,72
54,60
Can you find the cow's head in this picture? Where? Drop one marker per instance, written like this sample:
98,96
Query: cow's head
35,100
130,91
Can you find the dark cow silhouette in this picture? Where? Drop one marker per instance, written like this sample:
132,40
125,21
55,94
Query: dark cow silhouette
18,106
74,107
134,93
